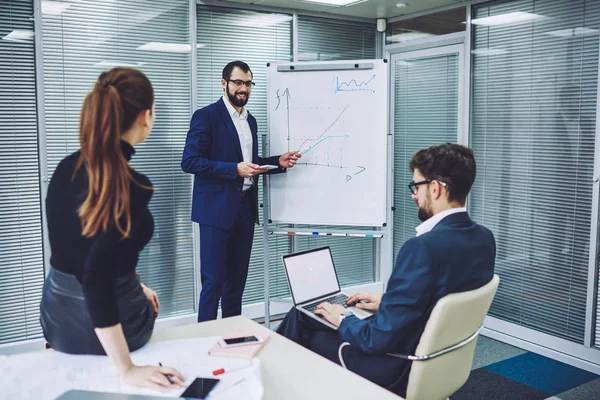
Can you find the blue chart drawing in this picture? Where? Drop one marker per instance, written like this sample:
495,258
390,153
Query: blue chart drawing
322,140
353,86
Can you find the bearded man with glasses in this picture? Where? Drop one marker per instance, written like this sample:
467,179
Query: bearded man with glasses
450,254
221,150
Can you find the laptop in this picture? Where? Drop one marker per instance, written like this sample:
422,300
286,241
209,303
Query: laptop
313,280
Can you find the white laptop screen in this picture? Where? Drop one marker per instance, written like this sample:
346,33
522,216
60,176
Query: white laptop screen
311,274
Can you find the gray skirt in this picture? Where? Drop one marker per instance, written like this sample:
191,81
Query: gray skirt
66,322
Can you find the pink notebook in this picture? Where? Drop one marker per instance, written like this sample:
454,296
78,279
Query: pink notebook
248,351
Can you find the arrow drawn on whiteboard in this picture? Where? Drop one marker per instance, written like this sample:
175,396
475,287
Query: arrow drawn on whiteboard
362,169
285,93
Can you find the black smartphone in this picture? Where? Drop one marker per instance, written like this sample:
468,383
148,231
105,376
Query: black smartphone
240,341
200,388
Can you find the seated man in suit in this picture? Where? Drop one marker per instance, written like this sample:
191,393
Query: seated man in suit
450,254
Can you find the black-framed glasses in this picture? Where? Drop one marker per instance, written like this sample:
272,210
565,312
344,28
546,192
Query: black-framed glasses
239,83
414,186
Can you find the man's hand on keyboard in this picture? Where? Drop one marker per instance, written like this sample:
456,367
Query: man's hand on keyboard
366,301
331,312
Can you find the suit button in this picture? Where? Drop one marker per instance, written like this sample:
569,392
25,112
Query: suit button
239,189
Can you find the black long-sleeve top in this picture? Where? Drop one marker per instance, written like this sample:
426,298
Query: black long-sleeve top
96,262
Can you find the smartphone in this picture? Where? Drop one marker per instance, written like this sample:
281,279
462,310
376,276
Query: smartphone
268,166
240,341
200,388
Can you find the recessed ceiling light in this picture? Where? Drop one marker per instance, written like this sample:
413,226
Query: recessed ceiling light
263,20
401,5
408,36
488,52
505,19
19,35
336,3
53,7
112,64
572,32
168,47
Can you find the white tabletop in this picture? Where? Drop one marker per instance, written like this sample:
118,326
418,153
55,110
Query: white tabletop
289,371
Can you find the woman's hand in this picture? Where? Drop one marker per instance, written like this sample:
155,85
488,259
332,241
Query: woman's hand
152,298
157,378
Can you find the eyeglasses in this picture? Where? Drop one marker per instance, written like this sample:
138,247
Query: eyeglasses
239,83
414,186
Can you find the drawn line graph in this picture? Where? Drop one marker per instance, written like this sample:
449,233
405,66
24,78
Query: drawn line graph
322,140
352,85
318,139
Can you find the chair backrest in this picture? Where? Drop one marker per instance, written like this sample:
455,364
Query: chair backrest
454,318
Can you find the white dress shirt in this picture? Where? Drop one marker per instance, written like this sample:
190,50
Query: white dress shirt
240,121
433,221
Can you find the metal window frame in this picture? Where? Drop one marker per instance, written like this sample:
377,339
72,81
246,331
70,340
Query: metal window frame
591,313
41,123
430,46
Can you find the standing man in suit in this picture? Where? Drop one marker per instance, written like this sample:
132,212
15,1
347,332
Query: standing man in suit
221,150
449,254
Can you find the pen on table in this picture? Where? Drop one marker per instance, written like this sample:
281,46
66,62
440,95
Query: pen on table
223,370
167,375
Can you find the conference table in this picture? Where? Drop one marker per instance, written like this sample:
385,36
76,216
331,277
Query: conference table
289,371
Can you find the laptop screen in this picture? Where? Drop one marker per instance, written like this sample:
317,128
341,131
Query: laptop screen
311,274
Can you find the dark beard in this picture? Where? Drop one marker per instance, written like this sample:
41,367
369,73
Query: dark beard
424,215
237,102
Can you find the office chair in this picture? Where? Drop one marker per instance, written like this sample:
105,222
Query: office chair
443,359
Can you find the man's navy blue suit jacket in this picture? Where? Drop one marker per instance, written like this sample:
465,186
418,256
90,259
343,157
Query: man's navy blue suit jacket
457,255
212,152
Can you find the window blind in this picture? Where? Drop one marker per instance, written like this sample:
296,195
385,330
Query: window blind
425,114
21,257
322,39
225,35
88,37
534,95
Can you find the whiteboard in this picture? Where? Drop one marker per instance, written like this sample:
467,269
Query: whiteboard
336,115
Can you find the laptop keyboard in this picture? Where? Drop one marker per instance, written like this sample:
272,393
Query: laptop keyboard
337,299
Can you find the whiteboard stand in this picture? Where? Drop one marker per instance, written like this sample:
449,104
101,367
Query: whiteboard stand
265,207
361,87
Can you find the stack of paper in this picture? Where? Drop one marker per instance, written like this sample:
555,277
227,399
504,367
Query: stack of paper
48,374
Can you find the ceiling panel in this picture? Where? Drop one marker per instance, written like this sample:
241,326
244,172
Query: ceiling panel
365,9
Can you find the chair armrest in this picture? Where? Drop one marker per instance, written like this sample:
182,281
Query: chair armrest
420,358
